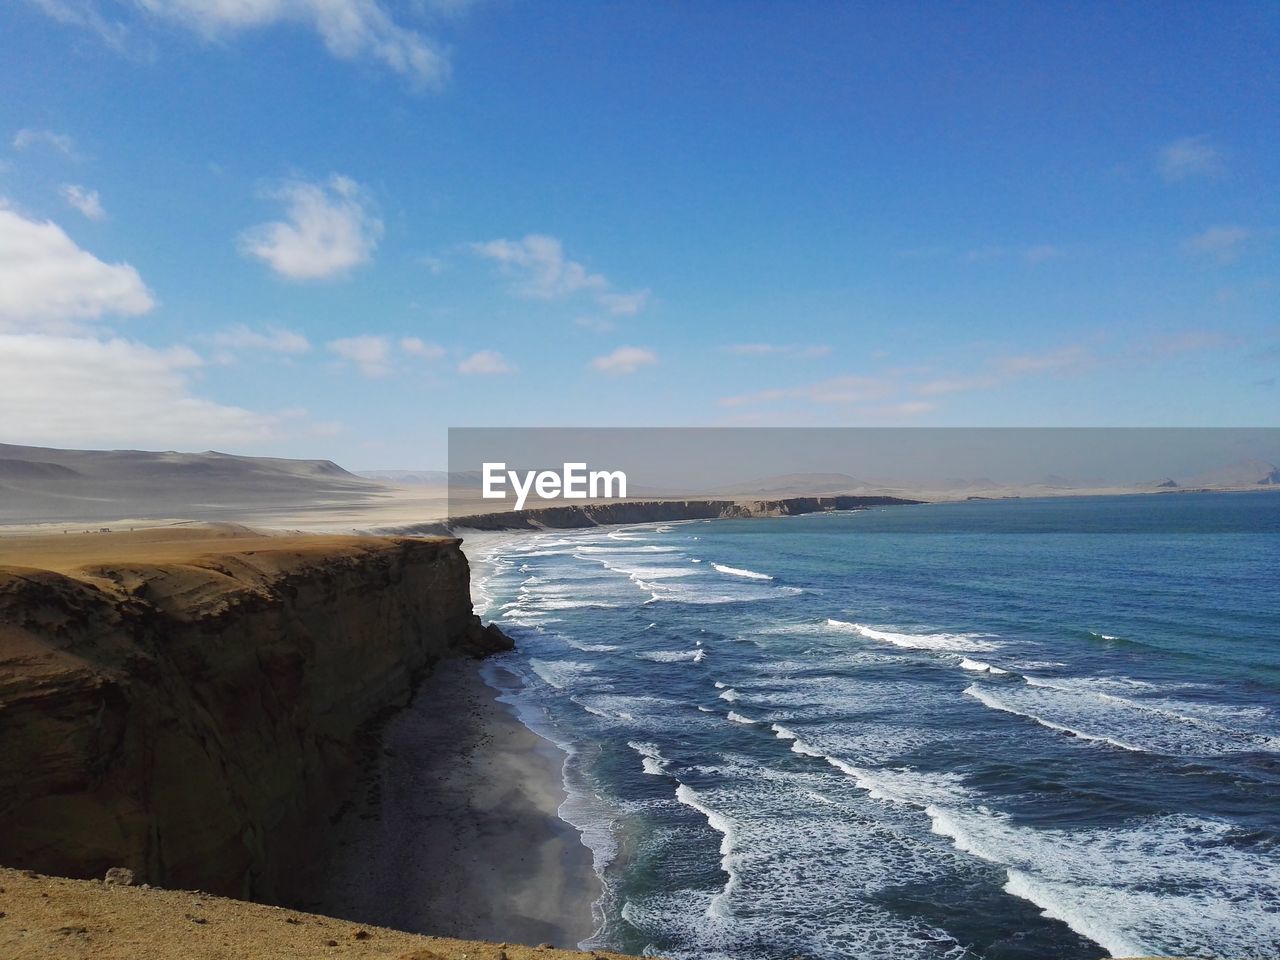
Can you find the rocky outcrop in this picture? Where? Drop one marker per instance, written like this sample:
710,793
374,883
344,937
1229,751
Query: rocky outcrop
196,722
649,511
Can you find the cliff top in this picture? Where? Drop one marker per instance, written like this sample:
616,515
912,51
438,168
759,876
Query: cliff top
71,553
43,918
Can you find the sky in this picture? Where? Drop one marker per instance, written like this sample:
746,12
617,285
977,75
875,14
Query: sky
336,228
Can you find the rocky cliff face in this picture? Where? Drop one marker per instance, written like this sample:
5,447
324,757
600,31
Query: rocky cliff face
650,511
198,721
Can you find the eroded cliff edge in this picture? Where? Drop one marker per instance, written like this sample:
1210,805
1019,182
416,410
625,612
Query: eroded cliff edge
197,718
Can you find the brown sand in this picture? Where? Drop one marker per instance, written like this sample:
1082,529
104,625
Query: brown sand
177,543
50,918
459,835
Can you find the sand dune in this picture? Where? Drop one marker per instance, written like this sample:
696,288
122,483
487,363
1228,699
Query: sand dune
44,484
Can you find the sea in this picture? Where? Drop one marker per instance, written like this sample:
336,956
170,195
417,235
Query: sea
1005,729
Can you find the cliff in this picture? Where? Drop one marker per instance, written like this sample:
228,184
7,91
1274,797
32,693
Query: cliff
194,710
650,511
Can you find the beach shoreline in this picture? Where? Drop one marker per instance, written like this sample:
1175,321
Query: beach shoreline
458,833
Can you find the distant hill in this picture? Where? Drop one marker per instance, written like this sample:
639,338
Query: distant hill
1244,473
47,484
796,484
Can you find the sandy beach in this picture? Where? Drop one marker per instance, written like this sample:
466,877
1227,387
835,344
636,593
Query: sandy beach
458,833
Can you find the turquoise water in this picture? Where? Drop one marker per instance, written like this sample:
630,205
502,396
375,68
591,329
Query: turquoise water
1004,729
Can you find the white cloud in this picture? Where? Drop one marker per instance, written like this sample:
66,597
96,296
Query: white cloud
240,338
370,354
28,138
799,351
73,391
1189,157
1035,254
624,360
1064,359
48,282
596,324
624,304
84,14
904,390
1188,341
834,390
86,201
1222,243
1041,252
349,29
485,362
907,408
548,274
1001,370
417,347
330,229
944,385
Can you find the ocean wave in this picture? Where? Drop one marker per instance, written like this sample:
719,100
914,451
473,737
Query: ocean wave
990,699
719,905
651,759
784,899
738,572
1171,886
1174,885
647,548
592,647
979,667
1086,707
559,673
739,718
797,745
947,642
672,656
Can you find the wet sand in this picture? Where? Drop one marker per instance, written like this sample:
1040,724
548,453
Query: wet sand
458,834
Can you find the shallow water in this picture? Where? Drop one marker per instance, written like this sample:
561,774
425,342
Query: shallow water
1006,729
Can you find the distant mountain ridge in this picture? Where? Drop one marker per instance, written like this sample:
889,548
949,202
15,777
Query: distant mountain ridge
47,484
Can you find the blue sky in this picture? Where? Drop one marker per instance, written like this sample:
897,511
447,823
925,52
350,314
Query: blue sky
336,229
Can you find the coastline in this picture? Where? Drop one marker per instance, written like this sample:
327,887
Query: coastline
459,833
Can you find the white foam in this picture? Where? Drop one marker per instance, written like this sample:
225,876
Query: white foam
650,548
671,656
719,906
730,694
651,760
738,572
561,674
1085,707
979,667
990,699
592,647
739,718
1172,885
949,642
